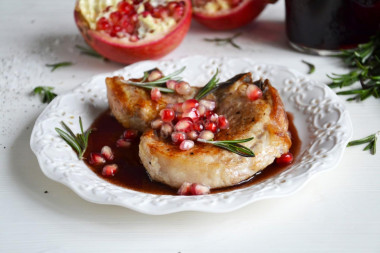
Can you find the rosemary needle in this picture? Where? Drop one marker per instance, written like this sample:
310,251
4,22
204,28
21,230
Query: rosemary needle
232,146
54,66
311,67
371,140
77,142
228,40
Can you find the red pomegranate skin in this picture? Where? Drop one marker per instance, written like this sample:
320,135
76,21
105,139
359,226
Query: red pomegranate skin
237,17
131,52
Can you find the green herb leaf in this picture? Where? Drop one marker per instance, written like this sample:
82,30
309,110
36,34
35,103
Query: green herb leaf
89,51
224,41
311,67
159,83
371,140
210,86
232,146
54,66
365,59
77,142
46,93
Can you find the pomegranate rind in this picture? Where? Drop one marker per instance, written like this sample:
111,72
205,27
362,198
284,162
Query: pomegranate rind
237,17
116,50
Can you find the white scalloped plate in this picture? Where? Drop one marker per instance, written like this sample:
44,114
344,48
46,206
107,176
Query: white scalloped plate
321,119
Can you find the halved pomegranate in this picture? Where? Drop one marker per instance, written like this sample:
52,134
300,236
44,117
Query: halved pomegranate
129,31
227,14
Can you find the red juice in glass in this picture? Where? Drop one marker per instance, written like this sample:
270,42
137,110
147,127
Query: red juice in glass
325,26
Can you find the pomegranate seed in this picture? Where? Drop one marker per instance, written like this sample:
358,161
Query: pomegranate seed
211,126
130,134
178,12
125,7
154,75
198,189
96,159
209,104
183,88
178,107
184,189
155,94
184,125
254,92
189,105
194,115
171,84
186,145
202,110
109,170
145,14
157,123
134,38
107,153
102,24
171,7
212,116
206,135
286,158
178,116
167,115
223,122
148,7
160,12
137,1
166,130
121,143
198,126
115,17
178,137
192,135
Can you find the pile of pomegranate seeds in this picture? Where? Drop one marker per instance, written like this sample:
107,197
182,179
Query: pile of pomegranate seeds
185,122
193,189
124,22
101,158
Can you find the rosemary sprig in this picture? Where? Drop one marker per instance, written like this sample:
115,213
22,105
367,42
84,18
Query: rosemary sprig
159,83
210,86
77,142
365,59
54,66
46,93
89,52
371,140
232,146
311,67
224,41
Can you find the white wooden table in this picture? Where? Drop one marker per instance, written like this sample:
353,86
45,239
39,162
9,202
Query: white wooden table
337,211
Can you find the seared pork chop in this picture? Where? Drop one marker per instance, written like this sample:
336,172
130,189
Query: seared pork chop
264,119
133,107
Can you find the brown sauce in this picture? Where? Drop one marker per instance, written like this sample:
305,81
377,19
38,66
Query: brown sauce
132,174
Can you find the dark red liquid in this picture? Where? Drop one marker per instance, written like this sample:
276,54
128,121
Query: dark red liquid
132,174
331,24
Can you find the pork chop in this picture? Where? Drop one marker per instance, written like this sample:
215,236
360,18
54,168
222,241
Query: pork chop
132,105
264,119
